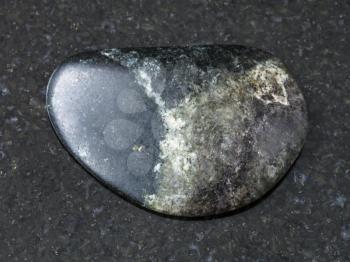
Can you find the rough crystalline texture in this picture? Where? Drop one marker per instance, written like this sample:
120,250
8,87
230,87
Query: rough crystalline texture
184,131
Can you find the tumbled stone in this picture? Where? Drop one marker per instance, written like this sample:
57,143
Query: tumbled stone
187,131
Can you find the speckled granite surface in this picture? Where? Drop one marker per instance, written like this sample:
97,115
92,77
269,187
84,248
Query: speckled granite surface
52,210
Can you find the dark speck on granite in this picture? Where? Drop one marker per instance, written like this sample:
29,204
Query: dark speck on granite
51,210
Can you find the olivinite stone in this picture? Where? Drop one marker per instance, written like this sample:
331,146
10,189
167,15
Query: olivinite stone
186,131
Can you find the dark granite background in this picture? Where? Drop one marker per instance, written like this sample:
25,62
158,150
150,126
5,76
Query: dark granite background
52,210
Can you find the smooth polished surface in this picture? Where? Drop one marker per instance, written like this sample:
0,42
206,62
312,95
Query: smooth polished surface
185,131
52,210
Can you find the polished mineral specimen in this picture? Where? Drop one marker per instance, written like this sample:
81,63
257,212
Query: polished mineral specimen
186,131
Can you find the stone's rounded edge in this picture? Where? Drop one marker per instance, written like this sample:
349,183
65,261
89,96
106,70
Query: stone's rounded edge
74,59
120,191
49,103
64,65
304,110
300,146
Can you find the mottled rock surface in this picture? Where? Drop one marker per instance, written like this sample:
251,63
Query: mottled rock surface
184,131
